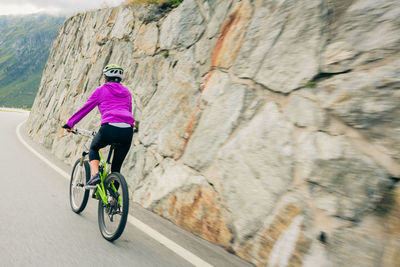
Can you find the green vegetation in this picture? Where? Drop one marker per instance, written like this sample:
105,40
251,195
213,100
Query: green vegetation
311,84
13,110
20,93
25,43
165,54
172,3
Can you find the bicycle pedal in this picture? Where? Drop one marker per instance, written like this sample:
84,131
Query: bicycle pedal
94,195
90,187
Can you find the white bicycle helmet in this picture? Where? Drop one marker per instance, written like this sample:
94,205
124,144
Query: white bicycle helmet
113,70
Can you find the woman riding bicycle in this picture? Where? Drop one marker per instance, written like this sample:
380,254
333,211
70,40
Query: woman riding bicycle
115,105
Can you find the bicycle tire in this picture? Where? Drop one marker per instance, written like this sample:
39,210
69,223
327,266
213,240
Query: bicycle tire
78,203
105,210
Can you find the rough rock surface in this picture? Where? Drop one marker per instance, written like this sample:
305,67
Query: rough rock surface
268,127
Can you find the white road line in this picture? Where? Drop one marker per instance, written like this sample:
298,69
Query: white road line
187,255
37,154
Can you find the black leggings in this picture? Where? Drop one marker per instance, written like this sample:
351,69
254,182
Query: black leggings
108,135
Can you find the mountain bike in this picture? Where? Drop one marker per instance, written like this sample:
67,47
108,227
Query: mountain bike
111,193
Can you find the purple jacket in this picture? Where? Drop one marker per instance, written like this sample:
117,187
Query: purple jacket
114,102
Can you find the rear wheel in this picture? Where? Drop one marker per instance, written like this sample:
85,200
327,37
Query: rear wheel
113,216
78,195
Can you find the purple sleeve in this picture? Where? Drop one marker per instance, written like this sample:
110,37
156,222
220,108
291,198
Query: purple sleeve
130,103
130,109
91,103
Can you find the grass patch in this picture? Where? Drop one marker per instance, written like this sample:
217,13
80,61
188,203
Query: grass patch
20,94
5,58
311,84
11,110
172,3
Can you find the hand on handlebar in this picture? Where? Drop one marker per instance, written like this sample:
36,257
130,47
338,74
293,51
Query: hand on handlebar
66,127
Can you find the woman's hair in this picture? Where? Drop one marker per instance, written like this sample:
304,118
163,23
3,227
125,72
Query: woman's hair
113,79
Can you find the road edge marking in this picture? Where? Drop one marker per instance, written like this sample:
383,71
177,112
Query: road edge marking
37,154
182,252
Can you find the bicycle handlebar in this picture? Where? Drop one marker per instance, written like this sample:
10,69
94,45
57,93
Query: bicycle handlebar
83,132
92,133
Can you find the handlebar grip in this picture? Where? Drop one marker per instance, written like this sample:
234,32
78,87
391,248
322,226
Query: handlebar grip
66,126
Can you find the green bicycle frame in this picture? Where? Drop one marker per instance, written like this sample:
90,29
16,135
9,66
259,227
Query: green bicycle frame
103,175
101,192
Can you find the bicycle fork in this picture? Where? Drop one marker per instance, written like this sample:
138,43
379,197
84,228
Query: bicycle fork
80,166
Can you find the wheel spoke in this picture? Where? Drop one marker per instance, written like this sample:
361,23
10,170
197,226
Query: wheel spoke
112,217
78,194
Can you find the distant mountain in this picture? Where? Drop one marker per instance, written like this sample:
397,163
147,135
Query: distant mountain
25,43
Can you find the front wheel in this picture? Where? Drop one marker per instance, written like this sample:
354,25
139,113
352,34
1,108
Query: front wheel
113,216
78,195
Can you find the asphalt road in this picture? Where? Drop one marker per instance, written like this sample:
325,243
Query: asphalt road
38,228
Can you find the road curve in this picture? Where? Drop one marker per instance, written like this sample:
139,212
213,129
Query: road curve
38,228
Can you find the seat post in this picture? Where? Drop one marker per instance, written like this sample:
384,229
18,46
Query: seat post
110,153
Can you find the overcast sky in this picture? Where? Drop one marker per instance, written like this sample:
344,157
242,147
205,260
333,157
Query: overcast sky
63,7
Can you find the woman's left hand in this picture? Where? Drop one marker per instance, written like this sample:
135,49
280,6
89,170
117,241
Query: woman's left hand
66,127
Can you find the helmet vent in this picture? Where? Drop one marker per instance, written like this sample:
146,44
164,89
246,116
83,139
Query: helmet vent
113,71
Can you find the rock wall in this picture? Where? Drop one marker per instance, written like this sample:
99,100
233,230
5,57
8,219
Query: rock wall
268,127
